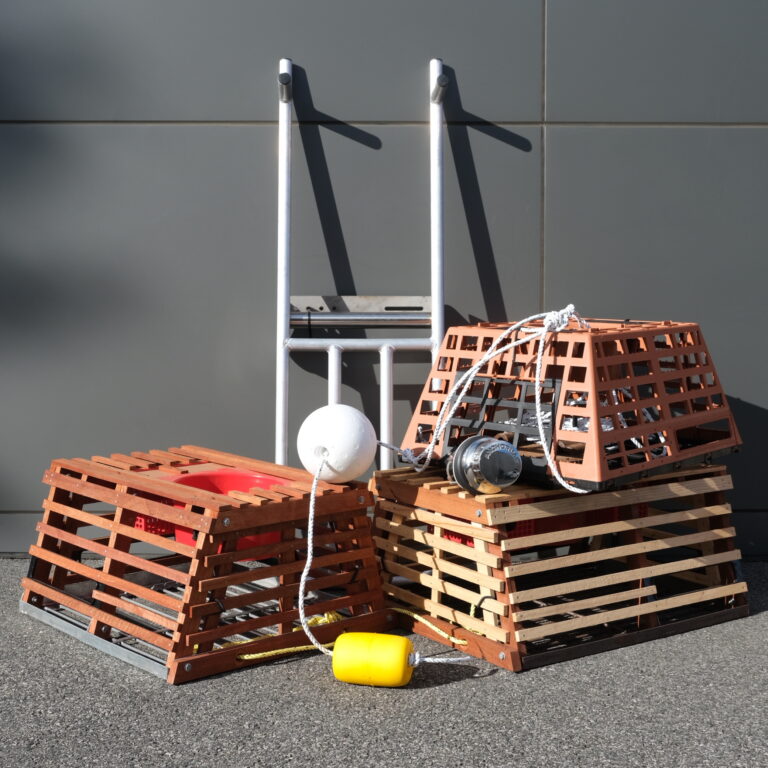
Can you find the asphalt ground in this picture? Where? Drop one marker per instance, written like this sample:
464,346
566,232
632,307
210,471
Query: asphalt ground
699,699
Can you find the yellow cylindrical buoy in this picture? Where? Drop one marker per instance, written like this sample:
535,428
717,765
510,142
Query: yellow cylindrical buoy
370,658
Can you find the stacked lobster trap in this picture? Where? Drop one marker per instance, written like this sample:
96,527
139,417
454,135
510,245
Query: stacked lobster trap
619,400
186,562
533,574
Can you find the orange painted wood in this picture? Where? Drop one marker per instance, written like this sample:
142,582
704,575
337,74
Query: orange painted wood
278,570
97,575
138,504
102,521
124,557
161,619
273,619
254,553
286,590
140,481
109,619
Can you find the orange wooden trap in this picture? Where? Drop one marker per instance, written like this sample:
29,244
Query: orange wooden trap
620,400
536,576
182,561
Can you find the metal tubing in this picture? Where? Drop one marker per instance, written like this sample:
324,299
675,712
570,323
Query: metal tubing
436,206
334,374
386,393
356,345
283,262
361,319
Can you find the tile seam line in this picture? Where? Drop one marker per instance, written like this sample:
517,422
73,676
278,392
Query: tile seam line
543,164
272,123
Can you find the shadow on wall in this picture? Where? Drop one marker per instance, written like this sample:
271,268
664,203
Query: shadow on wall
749,465
361,376
459,121
44,292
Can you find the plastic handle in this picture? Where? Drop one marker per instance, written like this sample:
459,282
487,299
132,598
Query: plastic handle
285,84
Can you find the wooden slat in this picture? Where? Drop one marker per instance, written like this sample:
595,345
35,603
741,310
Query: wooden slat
438,542
580,605
588,502
102,616
444,612
256,501
140,563
168,458
100,521
355,575
709,469
543,539
610,553
142,482
443,521
293,493
338,603
158,462
194,666
161,619
135,460
624,576
255,465
257,574
128,501
440,565
688,598
111,461
254,553
97,575
448,588
289,510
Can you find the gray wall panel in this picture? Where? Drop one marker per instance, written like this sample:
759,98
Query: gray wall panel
140,277
669,223
657,61
197,60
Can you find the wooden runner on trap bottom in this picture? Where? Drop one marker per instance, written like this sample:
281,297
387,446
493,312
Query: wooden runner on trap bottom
225,576
536,576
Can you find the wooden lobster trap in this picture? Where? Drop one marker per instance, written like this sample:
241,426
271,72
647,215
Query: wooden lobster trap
620,400
184,561
536,576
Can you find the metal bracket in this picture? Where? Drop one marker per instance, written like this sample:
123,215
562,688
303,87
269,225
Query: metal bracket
361,311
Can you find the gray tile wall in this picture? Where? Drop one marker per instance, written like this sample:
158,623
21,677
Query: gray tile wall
608,152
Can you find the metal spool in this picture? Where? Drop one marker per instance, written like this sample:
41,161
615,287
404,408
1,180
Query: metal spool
485,465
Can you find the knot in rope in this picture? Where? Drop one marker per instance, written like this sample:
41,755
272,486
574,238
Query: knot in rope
558,319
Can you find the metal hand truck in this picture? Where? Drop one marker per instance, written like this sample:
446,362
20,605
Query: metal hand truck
355,311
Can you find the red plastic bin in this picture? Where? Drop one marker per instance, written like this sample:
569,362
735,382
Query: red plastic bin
223,481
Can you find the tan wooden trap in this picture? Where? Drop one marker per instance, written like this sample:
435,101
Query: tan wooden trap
536,576
620,399
223,580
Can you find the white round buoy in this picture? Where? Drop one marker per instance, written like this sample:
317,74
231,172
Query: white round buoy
340,434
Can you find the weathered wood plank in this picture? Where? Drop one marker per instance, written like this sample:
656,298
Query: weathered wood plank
688,598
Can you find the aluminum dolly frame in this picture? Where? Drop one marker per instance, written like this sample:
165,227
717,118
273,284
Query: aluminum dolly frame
350,311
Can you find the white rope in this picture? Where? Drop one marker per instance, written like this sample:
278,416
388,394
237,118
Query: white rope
310,554
552,322
415,658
